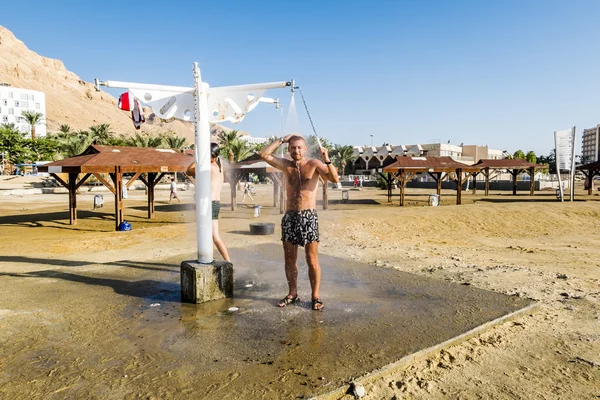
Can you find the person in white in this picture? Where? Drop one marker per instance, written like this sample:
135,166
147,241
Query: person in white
173,194
247,192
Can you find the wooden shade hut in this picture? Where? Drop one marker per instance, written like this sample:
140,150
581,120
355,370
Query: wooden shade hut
115,161
514,166
590,170
405,168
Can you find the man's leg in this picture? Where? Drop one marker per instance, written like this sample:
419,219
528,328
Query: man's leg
218,241
314,269
290,254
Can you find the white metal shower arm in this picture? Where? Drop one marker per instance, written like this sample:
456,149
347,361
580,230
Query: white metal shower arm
144,86
254,86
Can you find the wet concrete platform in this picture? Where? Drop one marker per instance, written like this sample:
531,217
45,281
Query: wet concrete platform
373,317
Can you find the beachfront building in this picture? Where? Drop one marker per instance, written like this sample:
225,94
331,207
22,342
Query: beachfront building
590,145
254,140
370,157
13,101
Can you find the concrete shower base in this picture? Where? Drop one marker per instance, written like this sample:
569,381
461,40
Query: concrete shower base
149,344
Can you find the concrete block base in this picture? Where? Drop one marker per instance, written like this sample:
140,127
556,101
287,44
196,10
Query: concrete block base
206,282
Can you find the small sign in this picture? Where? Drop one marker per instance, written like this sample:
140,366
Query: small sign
164,169
55,169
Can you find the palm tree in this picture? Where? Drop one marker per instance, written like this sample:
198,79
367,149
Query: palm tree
531,157
65,128
33,118
144,140
101,133
239,150
74,144
226,138
519,154
343,156
172,141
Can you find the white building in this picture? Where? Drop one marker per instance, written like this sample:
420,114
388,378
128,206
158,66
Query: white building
590,145
13,101
254,140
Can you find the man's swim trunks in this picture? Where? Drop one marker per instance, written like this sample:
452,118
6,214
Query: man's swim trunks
216,208
300,227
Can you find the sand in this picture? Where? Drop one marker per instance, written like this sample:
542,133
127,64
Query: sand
536,248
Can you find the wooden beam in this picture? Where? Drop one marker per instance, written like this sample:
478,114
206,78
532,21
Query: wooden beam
82,181
133,179
105,182
59,180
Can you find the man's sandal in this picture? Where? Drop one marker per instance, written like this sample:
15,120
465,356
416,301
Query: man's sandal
317,304
288,300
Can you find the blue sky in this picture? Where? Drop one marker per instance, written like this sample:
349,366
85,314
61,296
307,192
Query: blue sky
502,73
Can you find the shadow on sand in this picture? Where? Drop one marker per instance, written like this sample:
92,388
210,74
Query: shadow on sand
150,266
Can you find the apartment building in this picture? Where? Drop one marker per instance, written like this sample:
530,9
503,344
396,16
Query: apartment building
13,101
590,145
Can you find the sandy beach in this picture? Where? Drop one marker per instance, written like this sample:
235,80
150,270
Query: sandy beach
531,247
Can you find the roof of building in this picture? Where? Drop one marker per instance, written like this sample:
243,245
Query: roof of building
429,164
104,159
508,163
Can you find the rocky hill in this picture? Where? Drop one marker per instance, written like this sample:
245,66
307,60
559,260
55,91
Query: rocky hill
70,100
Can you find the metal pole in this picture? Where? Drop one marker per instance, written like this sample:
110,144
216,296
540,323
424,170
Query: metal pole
202,149
572,176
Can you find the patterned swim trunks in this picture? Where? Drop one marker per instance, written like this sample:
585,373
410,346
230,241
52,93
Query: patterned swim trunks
300,227
216,208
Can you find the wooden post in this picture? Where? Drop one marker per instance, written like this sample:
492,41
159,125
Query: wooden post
474,182
73,198
487,180
531,181
514,175
402,183
439,183
389,185
459,182
117,178
590,176
235,178
275,188
150,185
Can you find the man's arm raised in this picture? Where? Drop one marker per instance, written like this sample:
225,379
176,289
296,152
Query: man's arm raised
326,168
267,153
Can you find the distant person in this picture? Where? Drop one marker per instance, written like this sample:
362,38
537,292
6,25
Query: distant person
173,194
216,184
247,192
300,224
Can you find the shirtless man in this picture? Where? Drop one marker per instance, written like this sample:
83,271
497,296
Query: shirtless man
216,183
300,225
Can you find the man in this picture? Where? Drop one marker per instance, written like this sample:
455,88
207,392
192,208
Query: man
299,225
173,194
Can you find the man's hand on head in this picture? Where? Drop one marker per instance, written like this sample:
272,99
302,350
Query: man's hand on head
324,154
